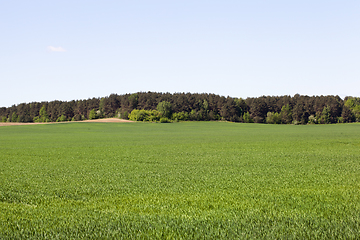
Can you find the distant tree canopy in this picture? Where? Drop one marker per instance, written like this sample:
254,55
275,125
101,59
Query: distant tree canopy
165,107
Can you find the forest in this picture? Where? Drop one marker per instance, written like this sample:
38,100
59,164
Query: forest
167,107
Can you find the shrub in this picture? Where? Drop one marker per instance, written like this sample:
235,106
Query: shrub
165,120
144,115
340,120
137,115
180,116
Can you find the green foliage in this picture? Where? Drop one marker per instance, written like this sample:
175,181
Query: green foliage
78,117
193,116
192,180
14,117
214,115
347,115
356,112
273,118
144,115
137,115
198,107
92,114
165,109
247,118
286,114
4,119
353,104
43,116
325,115
180,116
102,104
124,115
43,112
241,104
133,100
165,120
340,120
62,118
205,105
36,119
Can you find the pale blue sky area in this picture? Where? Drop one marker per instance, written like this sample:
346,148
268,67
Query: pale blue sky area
65,50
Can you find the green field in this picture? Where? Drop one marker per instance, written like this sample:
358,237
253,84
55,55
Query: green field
190,180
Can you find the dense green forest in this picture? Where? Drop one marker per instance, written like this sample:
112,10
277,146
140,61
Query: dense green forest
167,107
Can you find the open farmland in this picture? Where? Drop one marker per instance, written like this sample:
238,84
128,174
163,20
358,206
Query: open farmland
183,180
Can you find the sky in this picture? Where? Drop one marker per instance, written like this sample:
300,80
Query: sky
67,50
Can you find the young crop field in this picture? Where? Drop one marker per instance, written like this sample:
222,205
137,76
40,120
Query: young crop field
188,180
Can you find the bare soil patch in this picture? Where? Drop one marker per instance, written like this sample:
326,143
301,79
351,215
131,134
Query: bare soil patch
93,120
107,120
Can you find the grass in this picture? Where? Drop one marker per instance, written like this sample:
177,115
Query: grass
190,180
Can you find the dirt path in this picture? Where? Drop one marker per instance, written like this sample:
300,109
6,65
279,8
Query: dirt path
93,120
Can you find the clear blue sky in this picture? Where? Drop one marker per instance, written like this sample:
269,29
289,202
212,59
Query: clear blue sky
79,49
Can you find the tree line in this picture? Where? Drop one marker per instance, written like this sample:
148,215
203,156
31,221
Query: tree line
167,107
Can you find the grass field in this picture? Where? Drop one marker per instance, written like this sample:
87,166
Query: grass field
190,180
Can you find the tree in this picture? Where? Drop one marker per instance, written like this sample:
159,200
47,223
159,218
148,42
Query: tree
133,101
229,110
258,110
14,117
247,118
165,109
92,114
193,115
241,105
44,117
286,114
354,105
67,109
325,115
273,118
102,104
62,118
205,105
195,107
300,114
347,115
